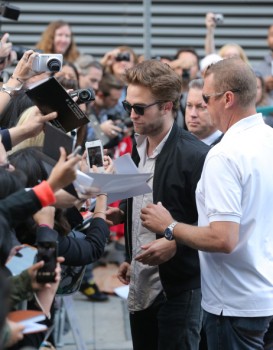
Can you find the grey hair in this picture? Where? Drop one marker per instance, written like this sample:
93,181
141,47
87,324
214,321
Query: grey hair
196,84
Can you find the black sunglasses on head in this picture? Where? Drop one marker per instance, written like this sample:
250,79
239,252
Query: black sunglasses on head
138,109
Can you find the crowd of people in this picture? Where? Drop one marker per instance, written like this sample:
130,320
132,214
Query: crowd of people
197,248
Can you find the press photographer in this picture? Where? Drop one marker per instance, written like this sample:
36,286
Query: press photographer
101,126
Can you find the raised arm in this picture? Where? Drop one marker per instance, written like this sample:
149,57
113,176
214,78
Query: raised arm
209,39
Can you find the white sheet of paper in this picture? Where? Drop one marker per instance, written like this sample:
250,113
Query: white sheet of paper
33,327
125,165
122,291
127,182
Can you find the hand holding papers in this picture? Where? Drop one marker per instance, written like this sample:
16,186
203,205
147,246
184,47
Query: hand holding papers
125,183
29,319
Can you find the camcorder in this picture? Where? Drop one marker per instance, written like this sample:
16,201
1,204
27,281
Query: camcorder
48,252
123,56
47,62
84,95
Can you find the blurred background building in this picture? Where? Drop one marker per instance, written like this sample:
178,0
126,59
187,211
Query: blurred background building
101,25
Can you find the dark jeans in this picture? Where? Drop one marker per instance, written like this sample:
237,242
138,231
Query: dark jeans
236,333
171,324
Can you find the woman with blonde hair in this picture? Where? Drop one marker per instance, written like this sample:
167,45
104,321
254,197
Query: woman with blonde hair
233,50
38,140
58,38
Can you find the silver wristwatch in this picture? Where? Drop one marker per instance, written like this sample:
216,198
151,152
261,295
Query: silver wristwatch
168,233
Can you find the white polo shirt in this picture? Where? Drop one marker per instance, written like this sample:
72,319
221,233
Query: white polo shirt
237,185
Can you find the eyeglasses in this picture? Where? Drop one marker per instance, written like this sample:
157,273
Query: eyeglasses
207,97
138,109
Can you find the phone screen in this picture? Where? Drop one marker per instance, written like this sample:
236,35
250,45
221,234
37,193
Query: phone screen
47,251
95,156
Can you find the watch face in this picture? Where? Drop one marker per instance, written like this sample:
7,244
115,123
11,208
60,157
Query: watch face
168,234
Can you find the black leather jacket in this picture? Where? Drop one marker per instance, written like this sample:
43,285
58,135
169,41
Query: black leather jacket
177,170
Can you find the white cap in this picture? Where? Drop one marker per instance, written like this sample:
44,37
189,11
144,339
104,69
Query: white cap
208,60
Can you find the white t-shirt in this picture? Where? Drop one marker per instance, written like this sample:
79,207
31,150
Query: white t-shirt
237,185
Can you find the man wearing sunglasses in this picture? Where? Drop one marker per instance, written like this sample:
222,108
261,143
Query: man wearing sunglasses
234,233
164,299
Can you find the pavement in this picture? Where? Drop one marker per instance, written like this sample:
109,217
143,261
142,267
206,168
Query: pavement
91,325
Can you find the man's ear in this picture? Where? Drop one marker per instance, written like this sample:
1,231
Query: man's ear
168,106
229,98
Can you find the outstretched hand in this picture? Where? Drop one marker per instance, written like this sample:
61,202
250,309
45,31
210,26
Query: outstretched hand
64,172
23,70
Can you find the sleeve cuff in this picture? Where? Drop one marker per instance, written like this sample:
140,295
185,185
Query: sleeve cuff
44,193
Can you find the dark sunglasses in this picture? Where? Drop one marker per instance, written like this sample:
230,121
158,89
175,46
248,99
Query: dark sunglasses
207,97
138,109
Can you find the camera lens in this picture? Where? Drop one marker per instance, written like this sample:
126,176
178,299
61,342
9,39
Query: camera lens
54,65
84,95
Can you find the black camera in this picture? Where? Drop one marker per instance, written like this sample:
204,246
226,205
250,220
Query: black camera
123,124
84,95
47,251
123,56
20,50
186,75
9,11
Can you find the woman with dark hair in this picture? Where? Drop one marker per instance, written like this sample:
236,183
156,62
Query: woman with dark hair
16,106
48,222
75,251
10,182
22,286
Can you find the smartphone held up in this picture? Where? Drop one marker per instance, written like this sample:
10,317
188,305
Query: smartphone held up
95,154
47,252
